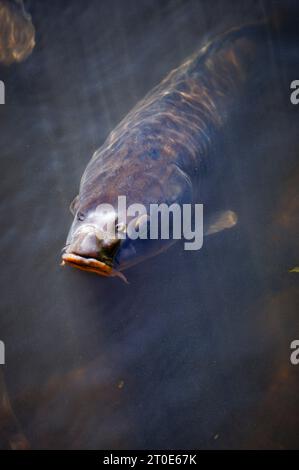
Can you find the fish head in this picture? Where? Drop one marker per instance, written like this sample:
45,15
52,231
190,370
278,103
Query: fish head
100,241
92,242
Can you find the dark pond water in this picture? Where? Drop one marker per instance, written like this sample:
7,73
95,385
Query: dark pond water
195,351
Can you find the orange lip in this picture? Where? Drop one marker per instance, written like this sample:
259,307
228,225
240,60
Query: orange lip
87,264
92,265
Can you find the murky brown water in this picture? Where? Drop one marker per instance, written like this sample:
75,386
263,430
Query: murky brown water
195,351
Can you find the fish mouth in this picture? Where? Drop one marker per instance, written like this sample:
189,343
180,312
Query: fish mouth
86,264
92,265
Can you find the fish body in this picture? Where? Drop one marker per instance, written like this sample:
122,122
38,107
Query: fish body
160,152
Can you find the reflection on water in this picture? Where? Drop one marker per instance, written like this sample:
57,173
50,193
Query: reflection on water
195,351
16,32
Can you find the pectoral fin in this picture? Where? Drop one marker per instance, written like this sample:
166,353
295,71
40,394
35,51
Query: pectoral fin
220,221
74,205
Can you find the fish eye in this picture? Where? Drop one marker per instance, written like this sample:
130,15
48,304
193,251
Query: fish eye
120,227
80,216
